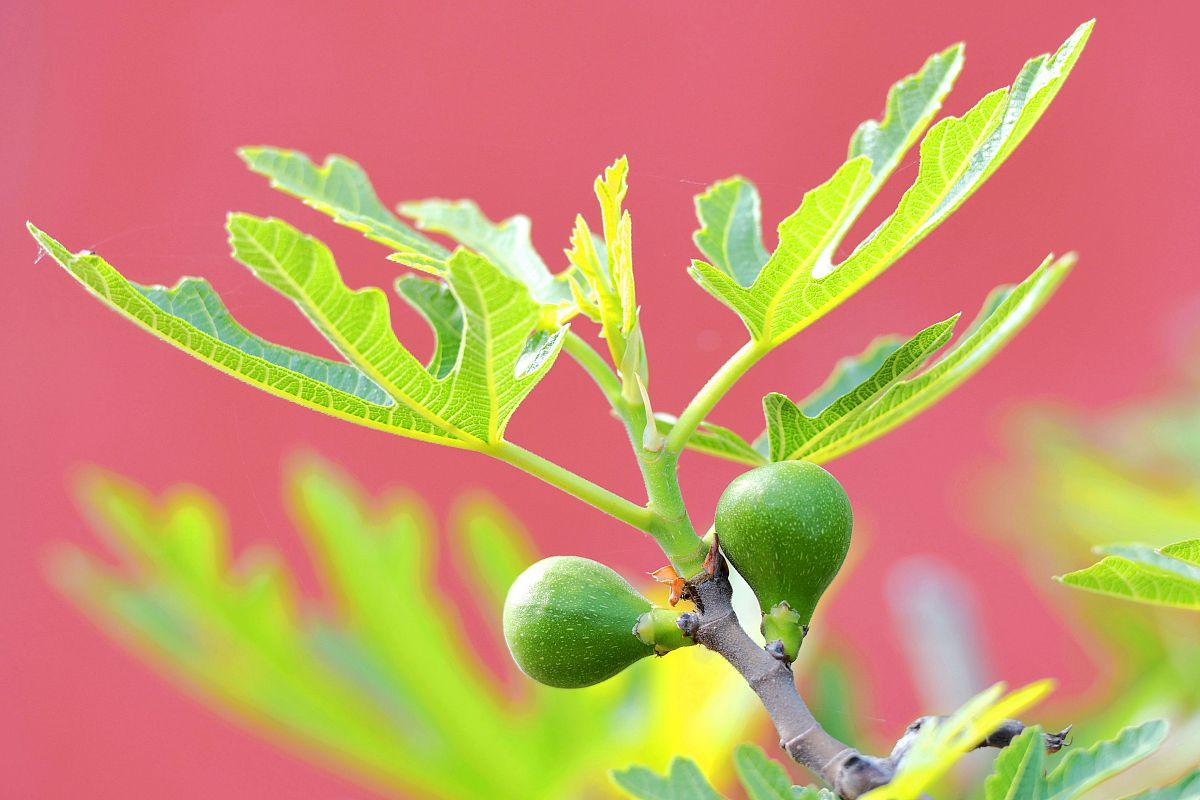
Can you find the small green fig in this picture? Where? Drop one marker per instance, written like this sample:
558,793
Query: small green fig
571,622
786,528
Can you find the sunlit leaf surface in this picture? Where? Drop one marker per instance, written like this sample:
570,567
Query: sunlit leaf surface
1168,576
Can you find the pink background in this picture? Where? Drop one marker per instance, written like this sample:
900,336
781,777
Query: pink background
120,124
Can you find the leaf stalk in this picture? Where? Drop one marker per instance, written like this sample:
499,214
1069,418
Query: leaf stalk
712,392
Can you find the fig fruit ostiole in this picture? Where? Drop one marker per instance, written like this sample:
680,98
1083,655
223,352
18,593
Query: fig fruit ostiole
786,528
571,622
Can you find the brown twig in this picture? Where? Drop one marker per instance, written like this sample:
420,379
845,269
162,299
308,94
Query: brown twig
848,772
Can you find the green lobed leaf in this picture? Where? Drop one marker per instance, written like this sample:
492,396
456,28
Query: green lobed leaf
235,632
380,563
911,105
799,283
730,211
434,301
1186,788
340,189
335,675
730,234
506,244
958,155
1004,313
493,548
192,317
849,372
498,364
1162,559
714,440
683,781
763,778
1017,773
780,292
1082,770
1169,576
791,430
1187,551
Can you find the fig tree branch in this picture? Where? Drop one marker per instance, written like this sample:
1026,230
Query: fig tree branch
847,771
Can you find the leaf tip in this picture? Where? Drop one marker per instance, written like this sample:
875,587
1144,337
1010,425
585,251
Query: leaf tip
955,52
1068,260
1034,692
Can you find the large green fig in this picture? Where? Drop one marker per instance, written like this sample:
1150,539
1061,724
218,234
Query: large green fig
786,528
571,622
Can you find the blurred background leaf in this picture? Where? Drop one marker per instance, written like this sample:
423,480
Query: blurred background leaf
377,678
1167,576
1081,481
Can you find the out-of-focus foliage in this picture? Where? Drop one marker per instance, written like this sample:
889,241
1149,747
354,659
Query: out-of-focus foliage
761,777
941,743
1168,576
377,679
1022,771
1101,480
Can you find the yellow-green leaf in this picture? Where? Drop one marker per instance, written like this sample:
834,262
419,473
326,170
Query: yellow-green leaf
799,283
192,317
683,781
499,361
1004,313
942,742
1017,774
715,440
1169,576
791,430
730,234
340,188
1186,788
336,676
1083,769
506,244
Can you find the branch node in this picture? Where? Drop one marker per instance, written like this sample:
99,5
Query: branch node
776,651
689,623
1057,741
859,774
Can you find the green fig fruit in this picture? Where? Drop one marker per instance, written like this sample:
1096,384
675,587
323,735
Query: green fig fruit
571,622
786,528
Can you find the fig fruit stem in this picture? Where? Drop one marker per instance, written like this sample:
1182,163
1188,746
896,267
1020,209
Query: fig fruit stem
847,771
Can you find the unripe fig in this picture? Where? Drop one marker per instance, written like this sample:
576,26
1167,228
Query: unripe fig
572,622
786,528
